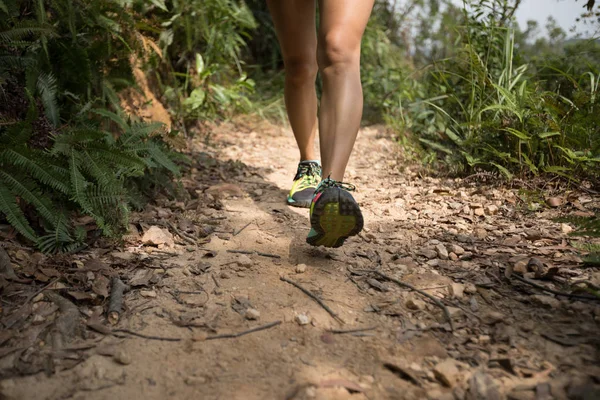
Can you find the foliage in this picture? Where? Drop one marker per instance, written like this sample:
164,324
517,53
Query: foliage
63,154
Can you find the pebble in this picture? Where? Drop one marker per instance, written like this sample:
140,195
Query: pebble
566,228
546,300
244,261
470,288
252,314
479,212
428,253
446,372
122,357
301,268
457,290
480,233
302,319
442,252
456,249
148,293
415,304
491,209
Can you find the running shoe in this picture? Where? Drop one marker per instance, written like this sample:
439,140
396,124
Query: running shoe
306,181
334,214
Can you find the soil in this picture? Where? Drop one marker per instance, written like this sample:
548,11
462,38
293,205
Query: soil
470,244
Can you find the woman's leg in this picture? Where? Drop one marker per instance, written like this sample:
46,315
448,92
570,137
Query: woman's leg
295,25
342,23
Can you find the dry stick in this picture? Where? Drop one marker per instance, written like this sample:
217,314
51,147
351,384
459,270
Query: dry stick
342,331
236,335
141,335
422,293
555,292
254,252
182,235
116,299
241,229
314,297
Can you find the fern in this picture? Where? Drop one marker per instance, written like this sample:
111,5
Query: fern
29,193
46,84
14,215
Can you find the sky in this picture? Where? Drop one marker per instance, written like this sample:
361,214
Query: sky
564,11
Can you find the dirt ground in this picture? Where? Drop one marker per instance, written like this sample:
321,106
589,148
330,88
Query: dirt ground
473,246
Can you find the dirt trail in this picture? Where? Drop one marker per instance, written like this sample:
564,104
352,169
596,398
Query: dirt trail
450,238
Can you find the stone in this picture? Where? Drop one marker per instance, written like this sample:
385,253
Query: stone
123,255
454,312
301,268
148,293
415,304
244,261
427,253
483,387
122,357
456,249
493,317
480,212
155,236
452,257
457,290
252,314
491,209
480,233
302,319
447,372
442,252
470,288
195,380
547,301
566,228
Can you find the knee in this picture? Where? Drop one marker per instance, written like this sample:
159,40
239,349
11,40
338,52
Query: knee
337,49
301,70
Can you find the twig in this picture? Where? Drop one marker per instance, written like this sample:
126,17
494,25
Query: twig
214,278
436,301
116,300
141,335
314,297
342,331
241,229
555,292
254,252
182,235
236,335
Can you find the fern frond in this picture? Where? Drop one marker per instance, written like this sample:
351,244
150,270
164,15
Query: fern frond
14,215
21,30
47,86
41,173
162,159
59,239
28,192
114,117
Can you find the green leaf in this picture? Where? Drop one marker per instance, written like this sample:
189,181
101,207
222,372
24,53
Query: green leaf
14,215
436,146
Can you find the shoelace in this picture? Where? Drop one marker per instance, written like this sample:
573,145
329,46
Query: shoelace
310,169
328,183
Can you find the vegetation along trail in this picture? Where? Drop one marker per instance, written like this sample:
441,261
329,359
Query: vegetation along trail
468,248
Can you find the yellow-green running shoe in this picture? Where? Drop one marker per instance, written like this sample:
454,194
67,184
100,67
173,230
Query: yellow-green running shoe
305,182
334,214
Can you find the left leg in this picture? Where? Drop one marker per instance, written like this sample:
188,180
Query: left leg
342,24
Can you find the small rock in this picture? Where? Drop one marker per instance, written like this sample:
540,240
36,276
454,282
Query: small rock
483,387
480,212
491,209
544,300
453,257
454,312
480,233
456,249
252,314
302,319
123,255
415,304
442,252
554,202
473,304
122,357
447,372
301,268
484,339
195,380
456,290
258,192
244,261
470,288
566,228
493,317
428,253
224,275
155,236
148,293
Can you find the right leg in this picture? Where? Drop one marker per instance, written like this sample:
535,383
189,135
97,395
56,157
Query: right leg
296,31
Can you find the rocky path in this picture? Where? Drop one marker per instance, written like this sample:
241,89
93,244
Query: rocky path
223,262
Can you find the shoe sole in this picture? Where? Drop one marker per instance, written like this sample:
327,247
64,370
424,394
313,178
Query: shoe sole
299,204
336,217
